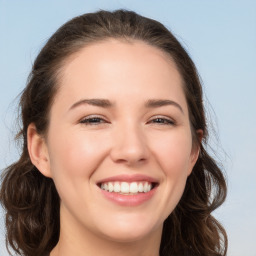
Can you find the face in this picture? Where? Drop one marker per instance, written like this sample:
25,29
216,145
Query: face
119,144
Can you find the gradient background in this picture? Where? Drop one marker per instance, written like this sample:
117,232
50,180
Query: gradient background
219,35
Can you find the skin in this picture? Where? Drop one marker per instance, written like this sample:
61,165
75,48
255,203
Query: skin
127,138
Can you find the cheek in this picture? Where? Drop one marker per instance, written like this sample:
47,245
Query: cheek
174,153
74,157
75,154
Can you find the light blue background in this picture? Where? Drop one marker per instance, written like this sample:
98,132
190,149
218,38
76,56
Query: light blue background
220,36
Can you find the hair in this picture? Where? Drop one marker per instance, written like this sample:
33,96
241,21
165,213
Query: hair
30,199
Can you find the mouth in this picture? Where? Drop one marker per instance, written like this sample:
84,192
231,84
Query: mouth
127,188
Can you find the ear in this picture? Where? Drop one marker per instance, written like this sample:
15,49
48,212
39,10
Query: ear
195,150
38,151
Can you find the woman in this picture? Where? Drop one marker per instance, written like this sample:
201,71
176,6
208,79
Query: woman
114,135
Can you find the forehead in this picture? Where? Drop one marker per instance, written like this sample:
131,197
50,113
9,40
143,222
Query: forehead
120,67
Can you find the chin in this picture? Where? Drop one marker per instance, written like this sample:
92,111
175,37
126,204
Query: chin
130,232
126,237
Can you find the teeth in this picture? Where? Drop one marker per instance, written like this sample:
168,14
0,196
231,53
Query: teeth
110,187
127,188
134,187
140,187
104,186
117,187
145,187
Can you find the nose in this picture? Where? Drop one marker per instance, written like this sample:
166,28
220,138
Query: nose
129,146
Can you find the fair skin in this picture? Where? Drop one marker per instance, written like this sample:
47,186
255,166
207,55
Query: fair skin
119,116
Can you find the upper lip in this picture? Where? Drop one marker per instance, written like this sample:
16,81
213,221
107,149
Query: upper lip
129,178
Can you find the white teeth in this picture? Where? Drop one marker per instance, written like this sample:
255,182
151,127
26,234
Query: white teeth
127,188
140,187
145,187
110,187
117,187
105,186
133,188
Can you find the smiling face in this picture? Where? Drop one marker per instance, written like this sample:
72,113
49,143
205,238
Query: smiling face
119,143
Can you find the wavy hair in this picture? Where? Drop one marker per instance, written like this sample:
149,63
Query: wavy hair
31,200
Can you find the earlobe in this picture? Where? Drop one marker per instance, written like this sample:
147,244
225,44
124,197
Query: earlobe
38,151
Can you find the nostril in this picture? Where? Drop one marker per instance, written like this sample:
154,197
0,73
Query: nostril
129,150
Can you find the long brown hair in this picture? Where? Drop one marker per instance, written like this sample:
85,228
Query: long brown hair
31,200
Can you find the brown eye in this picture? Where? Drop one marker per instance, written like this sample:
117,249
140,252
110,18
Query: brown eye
92,121
162,121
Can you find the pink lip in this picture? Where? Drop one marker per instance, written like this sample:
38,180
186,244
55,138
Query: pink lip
129,200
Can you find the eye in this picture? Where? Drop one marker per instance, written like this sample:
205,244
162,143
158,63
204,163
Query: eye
162,121
92,120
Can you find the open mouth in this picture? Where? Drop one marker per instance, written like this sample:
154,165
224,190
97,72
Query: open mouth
127,188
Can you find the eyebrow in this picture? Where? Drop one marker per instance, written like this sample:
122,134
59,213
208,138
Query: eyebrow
162,102
104,103
94,102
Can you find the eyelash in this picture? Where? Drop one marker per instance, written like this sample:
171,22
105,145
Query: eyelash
162,121
95,120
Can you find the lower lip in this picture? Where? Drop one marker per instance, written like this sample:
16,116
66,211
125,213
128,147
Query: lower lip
129,200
